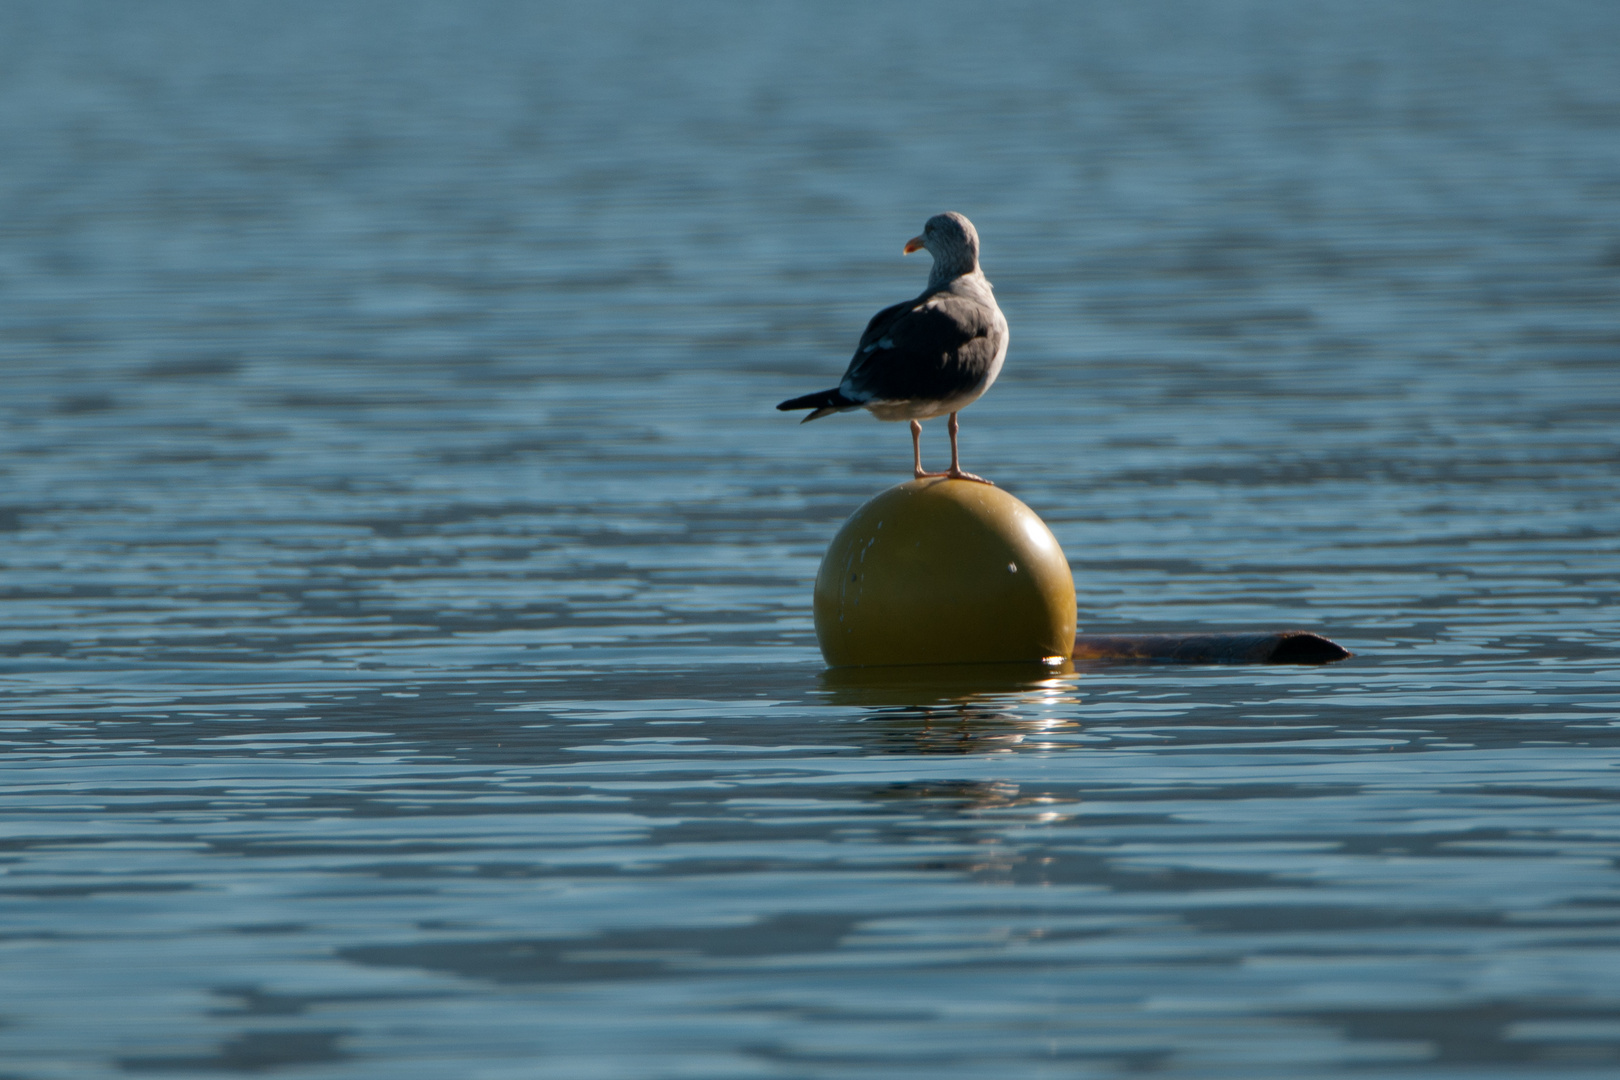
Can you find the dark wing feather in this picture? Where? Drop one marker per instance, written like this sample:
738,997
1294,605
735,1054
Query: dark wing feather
880,325
942,345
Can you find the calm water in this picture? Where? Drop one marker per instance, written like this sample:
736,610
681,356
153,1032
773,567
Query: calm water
407,660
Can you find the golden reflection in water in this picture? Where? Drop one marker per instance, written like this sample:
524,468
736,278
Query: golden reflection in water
968,709
959,708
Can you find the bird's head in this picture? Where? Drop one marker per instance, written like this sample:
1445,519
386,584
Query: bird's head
953,242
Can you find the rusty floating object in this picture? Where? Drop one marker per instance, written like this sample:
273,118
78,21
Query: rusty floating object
1285,647
942,571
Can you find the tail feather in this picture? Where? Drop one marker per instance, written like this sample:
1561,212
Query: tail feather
822,402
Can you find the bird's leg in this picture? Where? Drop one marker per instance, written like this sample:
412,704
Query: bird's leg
956,472
916,453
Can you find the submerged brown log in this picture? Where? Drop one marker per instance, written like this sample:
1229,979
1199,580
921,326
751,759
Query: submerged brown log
1286,647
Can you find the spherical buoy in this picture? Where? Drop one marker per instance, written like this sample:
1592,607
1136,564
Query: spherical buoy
942,571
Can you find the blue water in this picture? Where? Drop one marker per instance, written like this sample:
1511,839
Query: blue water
407,666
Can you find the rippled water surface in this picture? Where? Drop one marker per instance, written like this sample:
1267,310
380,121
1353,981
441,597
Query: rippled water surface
407,660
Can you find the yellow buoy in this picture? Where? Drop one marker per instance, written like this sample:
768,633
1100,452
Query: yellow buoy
943,571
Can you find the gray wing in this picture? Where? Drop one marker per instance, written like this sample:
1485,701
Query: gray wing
931,348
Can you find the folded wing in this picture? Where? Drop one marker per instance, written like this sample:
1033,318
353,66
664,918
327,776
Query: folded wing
933,348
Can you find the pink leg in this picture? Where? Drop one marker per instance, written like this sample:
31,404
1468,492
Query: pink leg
956,472
916,453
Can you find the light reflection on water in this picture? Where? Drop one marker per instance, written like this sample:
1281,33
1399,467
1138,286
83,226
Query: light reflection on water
407,646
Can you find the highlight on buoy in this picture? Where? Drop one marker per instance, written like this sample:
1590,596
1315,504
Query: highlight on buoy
944,571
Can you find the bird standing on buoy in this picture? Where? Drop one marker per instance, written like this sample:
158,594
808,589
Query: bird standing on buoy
929,356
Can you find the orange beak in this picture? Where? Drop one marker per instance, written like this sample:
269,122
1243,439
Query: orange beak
914,244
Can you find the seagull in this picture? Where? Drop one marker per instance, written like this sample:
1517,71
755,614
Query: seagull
929,356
